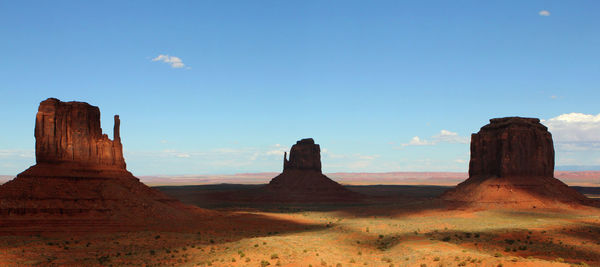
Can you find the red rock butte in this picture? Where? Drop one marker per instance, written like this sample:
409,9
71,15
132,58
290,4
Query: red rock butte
80,181
512,165
302,179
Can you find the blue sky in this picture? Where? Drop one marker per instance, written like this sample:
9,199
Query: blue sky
239,82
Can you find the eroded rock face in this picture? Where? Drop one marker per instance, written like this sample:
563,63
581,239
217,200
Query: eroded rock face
70,132
304,155
302,179
512,165
512,146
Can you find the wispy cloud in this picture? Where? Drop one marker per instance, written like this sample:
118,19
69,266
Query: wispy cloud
17,153
444,136
544,13
175,62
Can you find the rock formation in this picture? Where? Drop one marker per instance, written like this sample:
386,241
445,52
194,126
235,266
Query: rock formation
512,165
302,179
80,179
70,133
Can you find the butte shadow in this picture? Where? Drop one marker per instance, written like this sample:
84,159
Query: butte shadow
512,166
80,182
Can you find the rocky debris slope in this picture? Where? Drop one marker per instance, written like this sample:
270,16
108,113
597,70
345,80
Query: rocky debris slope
512,165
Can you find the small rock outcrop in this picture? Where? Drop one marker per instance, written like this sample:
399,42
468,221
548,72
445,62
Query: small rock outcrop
302,179
80,182
512,165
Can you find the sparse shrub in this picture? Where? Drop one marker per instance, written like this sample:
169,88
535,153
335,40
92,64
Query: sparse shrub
352,261
274,256
380,236
522,247
232,259
509,241
436,259
423,265
264,263
247,260
323,263
157,237
152,252
462,263
497,255
386,259
560,259
103,259
446,239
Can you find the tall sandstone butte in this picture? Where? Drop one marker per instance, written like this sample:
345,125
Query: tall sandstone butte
80,182
302,179
69,132
512,164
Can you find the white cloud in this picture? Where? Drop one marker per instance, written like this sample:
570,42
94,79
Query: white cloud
416,141
183,155
544,13
575,131
450,137
175,62
444,136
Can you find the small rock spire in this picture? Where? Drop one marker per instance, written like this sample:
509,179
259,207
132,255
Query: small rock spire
116,130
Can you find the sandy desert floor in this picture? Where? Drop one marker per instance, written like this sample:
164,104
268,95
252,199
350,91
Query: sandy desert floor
398,226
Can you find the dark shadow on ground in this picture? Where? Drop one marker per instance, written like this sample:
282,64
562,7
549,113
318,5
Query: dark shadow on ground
151,248
504,243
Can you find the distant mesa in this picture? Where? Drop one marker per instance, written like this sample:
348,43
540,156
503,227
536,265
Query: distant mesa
302,179
512,165
80,179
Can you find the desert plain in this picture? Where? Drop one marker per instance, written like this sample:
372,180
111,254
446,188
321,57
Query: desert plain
393,226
